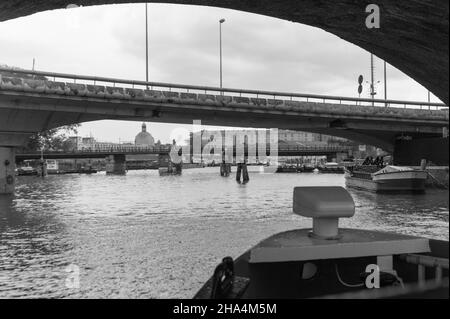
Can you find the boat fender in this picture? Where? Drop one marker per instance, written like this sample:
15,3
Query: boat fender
222,281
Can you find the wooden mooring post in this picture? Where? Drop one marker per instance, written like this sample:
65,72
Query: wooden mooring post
242,170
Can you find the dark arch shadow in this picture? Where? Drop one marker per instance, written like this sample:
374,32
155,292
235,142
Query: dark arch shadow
413,35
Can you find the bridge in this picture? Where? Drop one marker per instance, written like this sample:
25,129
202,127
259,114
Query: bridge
283,150
32,101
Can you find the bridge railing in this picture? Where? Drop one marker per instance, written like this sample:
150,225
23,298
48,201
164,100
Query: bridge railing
122,148
183,88
166,149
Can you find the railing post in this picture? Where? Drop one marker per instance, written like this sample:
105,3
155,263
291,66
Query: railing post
438,274
421,274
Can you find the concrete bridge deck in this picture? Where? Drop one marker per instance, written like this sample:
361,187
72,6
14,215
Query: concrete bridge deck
29,105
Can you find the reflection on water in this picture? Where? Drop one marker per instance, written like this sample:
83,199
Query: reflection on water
145,236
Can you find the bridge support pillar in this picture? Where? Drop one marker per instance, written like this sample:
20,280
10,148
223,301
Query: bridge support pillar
331,157
7,170
116,164
341,156
411,152
225,169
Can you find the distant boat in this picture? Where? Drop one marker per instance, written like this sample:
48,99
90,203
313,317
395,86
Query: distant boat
87,170
173,169
387,179
307,169
287,169
52,167
332,167
26,171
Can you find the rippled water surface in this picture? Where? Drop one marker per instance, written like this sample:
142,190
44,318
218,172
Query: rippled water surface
146,236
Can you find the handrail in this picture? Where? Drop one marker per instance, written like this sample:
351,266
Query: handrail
273,94
424,260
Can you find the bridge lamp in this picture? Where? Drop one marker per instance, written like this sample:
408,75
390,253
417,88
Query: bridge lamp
220,49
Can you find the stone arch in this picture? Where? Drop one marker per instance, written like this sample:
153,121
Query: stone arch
413,35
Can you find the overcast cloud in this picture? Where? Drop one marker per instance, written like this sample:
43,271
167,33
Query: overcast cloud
258,53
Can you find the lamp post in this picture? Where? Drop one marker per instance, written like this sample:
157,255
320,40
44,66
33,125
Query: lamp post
385,83
372,79
146,43
220,47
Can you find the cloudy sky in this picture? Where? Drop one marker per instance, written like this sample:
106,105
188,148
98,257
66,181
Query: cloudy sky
259,52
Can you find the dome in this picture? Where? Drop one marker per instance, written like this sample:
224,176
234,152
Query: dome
144,138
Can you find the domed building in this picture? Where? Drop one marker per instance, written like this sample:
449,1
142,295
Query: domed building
144,138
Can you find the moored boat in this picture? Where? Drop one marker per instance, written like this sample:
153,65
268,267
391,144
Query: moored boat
386,179
307,168
331,167
26,171
287,169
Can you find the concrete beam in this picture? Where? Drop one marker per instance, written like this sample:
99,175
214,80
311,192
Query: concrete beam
30,106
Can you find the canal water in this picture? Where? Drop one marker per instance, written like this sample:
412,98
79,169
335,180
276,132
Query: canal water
146,236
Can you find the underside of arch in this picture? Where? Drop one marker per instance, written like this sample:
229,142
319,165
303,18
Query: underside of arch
413,34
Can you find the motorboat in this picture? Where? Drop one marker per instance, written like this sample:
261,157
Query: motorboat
331,167
386,179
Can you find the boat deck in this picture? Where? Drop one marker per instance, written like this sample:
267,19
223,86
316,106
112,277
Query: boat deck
275,267
297,245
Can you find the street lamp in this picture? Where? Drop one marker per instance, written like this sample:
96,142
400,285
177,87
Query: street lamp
220,43
146,43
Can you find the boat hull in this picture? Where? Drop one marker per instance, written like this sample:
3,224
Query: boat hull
387,185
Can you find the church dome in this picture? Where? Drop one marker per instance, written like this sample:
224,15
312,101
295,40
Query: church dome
144,138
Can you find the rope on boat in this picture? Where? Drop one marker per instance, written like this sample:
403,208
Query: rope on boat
437,181
400,280
344,283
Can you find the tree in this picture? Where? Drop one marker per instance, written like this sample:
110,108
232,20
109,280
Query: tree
54,139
